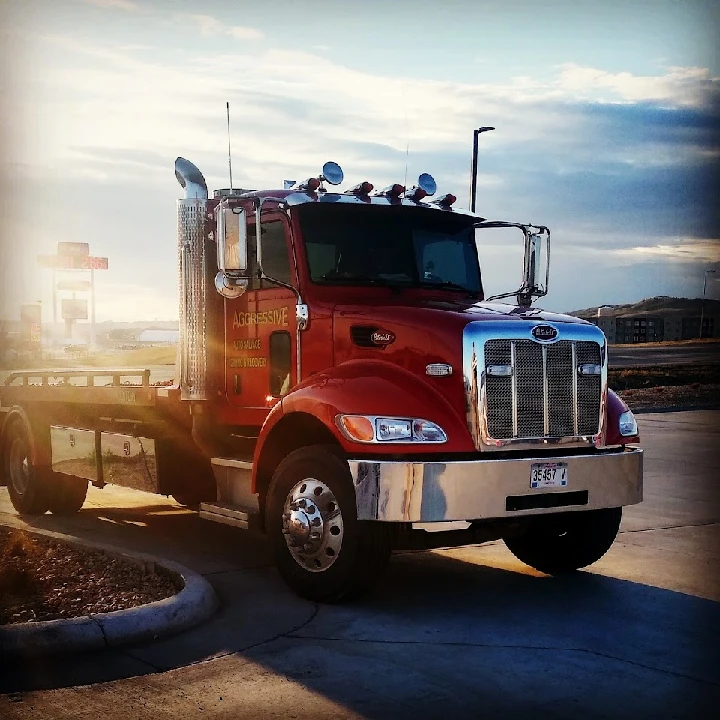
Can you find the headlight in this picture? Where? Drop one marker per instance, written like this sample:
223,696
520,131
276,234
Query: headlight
628,424
374,429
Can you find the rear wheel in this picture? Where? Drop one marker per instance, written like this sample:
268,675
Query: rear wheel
321,549
67,494
561,543
188,500
27,483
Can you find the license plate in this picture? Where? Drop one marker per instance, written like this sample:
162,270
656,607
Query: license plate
544,475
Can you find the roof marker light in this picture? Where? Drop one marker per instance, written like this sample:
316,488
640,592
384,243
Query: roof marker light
309,185
445,201
426,186
363,188
391,191
416,194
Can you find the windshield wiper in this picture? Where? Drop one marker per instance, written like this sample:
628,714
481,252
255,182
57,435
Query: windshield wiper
448,285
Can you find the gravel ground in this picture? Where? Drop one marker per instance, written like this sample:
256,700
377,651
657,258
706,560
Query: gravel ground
45,579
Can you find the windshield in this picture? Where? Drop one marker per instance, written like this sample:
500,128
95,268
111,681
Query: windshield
394,246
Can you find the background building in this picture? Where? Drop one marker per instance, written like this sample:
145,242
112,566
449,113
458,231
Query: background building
655,320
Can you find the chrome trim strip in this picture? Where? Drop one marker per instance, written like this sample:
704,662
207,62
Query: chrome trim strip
302,198
477,489
231,462
546,394
513,390
575,389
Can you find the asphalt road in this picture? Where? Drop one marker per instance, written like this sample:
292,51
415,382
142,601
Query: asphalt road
704,353
467,632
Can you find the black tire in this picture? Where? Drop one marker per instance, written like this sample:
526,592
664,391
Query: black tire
561,543
349,554
188,500
67,494
27,481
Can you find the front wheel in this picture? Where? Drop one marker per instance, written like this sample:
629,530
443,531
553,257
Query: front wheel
561,543
321,549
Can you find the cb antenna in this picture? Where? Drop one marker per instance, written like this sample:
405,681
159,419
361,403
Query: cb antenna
227,104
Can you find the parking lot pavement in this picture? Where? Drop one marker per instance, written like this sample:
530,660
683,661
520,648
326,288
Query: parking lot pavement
463,632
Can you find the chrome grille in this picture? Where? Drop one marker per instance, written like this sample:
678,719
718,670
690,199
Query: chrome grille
545,396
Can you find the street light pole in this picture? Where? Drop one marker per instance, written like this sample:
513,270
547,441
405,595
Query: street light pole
702,306
473,172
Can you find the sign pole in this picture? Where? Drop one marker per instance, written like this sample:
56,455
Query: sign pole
54,313
92,308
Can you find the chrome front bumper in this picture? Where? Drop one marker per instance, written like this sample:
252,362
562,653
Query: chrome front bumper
483,489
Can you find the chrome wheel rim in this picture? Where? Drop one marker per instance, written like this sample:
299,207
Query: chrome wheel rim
19,466
313,525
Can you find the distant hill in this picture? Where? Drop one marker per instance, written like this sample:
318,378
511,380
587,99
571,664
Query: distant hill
661,305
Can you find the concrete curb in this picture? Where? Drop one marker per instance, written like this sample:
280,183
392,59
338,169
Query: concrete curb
192,605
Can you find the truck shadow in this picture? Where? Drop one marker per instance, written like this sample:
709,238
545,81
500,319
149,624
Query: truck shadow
438,632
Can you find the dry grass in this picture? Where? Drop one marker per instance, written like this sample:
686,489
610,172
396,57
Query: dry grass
669,343
139,358
663,375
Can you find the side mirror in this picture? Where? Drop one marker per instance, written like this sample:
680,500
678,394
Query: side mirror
232,245
232,250
536,265
503,251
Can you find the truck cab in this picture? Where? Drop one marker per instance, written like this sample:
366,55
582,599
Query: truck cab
357,338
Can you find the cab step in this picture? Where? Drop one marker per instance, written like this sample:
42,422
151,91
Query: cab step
228,514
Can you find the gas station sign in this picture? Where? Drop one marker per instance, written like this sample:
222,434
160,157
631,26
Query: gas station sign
73,262
73,248
73,309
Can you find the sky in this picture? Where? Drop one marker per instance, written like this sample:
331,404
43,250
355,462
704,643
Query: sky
607,118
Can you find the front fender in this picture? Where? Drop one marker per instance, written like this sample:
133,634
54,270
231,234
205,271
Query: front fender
375,387
616,406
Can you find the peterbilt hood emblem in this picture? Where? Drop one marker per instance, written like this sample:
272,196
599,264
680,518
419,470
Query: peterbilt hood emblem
382,337
544,333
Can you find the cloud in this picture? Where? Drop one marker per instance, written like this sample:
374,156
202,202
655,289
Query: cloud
682,249
119,4
684,86
209,25
611,161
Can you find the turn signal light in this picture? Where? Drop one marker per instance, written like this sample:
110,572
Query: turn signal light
357,427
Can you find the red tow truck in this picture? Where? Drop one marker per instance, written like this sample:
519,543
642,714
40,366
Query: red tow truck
345,387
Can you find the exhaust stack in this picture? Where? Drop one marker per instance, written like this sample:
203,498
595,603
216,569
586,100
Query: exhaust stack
192,281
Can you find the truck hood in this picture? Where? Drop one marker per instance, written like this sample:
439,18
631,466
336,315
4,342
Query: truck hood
413,332
433,313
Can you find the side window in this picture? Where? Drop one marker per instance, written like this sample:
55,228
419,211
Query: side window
279,363
276,260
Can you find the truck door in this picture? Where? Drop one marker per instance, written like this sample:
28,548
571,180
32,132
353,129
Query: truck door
260,357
